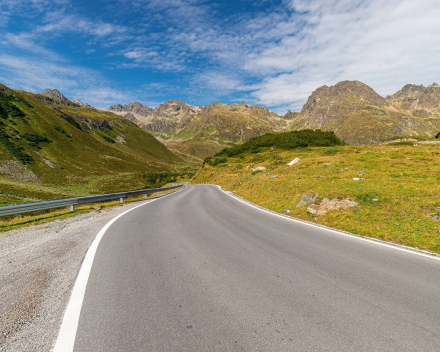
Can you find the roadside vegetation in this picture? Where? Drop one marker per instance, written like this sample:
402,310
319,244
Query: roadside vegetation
33,193
397,186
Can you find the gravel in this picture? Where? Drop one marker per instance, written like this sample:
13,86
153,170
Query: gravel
39,265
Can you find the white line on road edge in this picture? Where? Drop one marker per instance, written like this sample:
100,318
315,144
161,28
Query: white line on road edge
67,334
332,230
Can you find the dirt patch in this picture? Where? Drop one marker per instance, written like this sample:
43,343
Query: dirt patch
13,169
24,290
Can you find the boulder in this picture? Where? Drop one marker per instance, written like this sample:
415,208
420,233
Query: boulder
294,161
435,217
344,169
286,211
328,205
327,165
307,199
273,176
259,168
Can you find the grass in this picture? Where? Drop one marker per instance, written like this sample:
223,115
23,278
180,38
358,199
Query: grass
397,198
65,145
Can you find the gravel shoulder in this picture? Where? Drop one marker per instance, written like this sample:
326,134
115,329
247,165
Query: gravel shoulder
39,265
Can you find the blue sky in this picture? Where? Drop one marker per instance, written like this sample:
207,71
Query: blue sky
272,53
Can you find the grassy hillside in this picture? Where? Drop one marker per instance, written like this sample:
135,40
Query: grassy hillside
48,145
398,191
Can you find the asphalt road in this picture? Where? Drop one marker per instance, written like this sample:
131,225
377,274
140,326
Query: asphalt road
201,271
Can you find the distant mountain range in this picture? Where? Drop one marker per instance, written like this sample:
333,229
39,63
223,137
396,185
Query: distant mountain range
353,110
202,131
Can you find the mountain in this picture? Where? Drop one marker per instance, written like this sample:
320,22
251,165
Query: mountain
357,114
202,131
56,94
417,97
80,103
53,141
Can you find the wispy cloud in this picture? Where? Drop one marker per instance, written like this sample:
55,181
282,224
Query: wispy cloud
274,53
384,44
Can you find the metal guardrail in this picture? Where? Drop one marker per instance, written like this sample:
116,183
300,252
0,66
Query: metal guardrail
59,203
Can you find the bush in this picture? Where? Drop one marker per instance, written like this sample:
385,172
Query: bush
158,180
331,151
214,162
35,139
108,139
286,140
7,108
15,150
59,129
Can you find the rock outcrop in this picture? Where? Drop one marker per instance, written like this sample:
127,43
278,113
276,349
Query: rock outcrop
54,93
80,103
329,205
357,114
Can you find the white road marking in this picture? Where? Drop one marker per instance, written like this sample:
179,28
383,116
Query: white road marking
69,325
366,239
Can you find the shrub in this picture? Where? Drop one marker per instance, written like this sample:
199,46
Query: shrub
285,140
108,139
35,139
15,150
214,162
331,151
158,180
7,108
59,129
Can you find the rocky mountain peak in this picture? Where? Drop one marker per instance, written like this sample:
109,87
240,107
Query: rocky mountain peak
80,103
175,109
434,85
54,93
324,101
290,115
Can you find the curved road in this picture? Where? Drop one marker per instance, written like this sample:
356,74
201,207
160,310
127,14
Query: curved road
201,271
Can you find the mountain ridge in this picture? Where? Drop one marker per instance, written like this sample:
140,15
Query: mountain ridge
56,143
56,94
201,131
357,114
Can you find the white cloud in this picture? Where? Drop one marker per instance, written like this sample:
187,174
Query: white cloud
384,44
276,56
75,82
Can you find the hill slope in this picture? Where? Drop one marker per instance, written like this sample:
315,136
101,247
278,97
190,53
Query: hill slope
202,131
45,141
357,114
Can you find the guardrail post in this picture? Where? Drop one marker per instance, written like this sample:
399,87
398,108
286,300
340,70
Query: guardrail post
146,195
72,208
121,199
